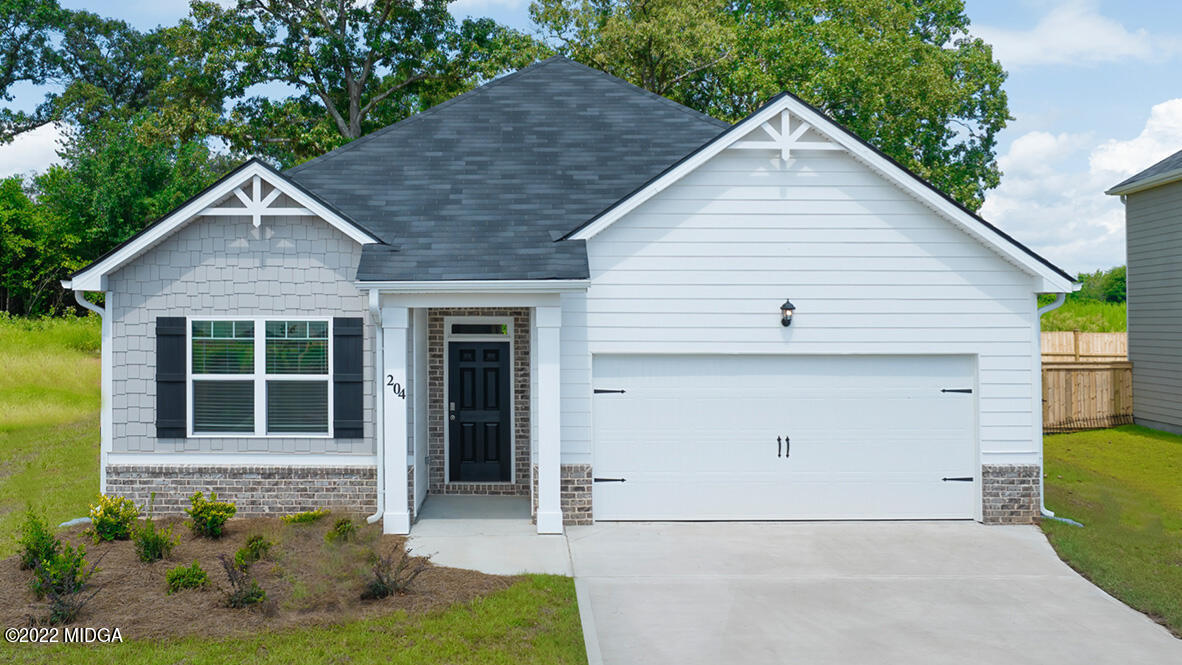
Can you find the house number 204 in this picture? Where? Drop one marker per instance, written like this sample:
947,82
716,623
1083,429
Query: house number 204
395,386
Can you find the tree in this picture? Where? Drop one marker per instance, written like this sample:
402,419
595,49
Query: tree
353,66
657,44
902,74
26,54
31,252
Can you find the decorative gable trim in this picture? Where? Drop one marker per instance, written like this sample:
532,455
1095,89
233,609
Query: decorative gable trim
245,184
787,124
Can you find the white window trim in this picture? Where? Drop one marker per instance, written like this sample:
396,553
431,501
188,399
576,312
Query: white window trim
449,337
259,377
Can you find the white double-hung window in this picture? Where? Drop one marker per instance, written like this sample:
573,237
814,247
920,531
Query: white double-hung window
259,377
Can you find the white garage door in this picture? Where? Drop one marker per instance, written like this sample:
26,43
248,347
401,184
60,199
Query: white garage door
860,437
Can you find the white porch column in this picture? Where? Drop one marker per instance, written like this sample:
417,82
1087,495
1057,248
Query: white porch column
396,517
548,320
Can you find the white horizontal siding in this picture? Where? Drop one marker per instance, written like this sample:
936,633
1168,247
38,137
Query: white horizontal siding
703,267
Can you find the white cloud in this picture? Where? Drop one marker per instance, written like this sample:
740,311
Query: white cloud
1049,202
1074,33
480,7
31,152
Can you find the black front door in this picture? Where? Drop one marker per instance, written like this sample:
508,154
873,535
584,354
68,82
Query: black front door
478,411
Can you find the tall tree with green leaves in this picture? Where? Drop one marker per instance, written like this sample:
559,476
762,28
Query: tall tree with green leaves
906,75
351,67
26,55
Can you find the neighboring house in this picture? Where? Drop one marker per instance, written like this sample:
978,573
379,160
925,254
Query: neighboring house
561,286
1153,232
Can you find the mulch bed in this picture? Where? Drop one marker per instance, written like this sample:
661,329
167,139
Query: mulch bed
308,582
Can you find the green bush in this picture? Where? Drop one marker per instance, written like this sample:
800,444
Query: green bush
36,541
152,544
209,515
306,517
186,577
112,518
343,531
244,590
256,548
62,574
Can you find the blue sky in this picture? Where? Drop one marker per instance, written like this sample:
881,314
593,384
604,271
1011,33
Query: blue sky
1095,88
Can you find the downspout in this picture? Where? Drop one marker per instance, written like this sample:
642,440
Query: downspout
1042,500
379,426
105,365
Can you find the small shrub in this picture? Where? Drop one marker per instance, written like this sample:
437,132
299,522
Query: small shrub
62,574
112,518
256,548
306,517
343,531
244,590
150,544
209,515
393,573
36,541
186,577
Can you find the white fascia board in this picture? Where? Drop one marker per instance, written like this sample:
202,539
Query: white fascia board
1148,183
94,277
479,286
1052,281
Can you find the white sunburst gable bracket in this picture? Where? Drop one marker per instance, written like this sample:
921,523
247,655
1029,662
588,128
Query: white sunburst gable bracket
786,137
786,125
246,185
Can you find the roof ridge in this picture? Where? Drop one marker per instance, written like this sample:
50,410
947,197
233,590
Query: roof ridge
664,100
361,140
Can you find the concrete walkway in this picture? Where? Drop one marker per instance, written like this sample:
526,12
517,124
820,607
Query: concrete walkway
816,593
492,534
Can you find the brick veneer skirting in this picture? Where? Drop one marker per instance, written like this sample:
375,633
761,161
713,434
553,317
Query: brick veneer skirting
576,495
436,459
255,490
1009,493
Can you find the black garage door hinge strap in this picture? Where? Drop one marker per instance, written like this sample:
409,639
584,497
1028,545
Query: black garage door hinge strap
607,480
956,390
959,479
599,391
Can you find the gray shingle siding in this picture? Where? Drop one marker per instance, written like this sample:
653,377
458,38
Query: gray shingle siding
1154,231
223,266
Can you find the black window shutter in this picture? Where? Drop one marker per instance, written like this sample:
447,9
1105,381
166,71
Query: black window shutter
170,377
347,377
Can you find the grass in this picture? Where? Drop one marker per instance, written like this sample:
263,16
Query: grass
534,621
1123,485
1086,316
49,399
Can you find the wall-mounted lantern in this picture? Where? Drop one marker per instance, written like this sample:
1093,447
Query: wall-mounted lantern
786,313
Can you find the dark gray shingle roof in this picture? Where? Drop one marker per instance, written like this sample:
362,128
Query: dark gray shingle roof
1171,163
479,187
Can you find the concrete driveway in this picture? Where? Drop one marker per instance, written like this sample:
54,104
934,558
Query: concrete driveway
862,592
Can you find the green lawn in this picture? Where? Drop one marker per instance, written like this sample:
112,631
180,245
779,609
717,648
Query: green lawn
1125,486
1086,316
49,448
49,400
535,621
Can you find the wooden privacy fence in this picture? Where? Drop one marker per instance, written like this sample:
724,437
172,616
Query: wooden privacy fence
1086,395
1076,346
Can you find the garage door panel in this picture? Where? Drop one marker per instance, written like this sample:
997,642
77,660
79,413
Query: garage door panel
870,437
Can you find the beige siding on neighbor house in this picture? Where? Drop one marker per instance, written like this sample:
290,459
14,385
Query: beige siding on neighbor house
1154,232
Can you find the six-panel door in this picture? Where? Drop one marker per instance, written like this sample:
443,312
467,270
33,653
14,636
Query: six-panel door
478,404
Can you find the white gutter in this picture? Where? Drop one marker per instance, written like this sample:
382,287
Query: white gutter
78,295
1042,500
375,315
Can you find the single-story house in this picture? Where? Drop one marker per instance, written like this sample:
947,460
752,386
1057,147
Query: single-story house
1153,238
561,286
